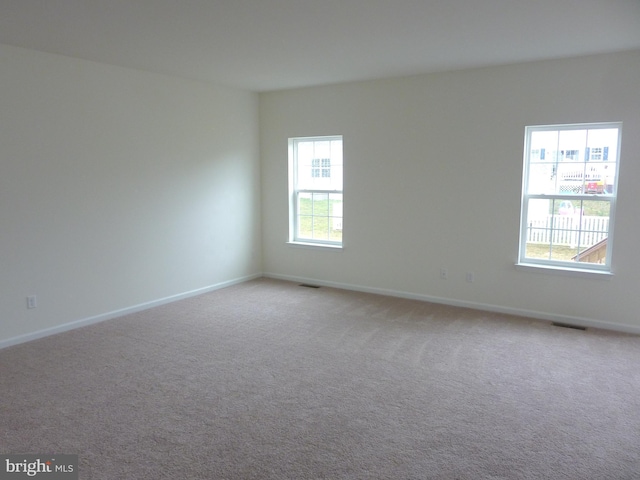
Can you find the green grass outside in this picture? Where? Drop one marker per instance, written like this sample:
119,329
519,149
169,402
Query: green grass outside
596,208
559,252
535,250
315,219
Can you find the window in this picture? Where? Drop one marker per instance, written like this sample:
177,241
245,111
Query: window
315,190
570,154
596,154
325,171
569,199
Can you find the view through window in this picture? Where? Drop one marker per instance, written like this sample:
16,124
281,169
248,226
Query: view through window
315,178
569,195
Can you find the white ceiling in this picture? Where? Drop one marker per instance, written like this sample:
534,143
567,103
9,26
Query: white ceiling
266,45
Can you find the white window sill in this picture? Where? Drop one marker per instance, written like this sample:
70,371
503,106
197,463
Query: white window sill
323,246
568,271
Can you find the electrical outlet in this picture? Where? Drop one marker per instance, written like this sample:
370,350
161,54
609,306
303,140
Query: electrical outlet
32,301
471,277
444,274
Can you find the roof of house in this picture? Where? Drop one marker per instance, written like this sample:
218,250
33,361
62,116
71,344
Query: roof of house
601,245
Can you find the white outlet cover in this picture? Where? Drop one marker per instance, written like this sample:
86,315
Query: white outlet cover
32,301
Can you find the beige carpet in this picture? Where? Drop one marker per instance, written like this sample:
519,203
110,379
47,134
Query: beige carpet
270,380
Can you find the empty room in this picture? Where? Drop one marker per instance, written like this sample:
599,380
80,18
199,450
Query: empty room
287,239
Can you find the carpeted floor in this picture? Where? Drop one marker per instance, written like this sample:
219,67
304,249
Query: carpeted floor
271,380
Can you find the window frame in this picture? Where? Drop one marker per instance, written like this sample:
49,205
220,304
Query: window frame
324,166
576,198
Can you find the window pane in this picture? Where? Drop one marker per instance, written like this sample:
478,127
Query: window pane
320,216
335,204
537,229
571,178
321,228
305,206
563,253
566,231
572,172
305,226
316,175
319,164
335,213
596,254
592,245
305,162
601,155
542,144
572,162
542,178
335,234
320,204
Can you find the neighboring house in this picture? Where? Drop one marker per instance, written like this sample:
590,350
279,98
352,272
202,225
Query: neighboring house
570,171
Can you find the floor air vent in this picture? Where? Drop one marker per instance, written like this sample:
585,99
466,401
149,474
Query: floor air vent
308,286
566,325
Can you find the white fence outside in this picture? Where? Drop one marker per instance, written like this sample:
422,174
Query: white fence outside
564,229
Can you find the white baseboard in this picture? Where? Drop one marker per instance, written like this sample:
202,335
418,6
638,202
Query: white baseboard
565,319
27,337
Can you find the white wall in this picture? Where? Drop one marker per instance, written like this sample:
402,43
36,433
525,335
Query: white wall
432,179
118,188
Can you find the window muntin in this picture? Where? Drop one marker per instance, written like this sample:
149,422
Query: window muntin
315,172
569,195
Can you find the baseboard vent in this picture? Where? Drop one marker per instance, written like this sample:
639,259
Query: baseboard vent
308,285
566,325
